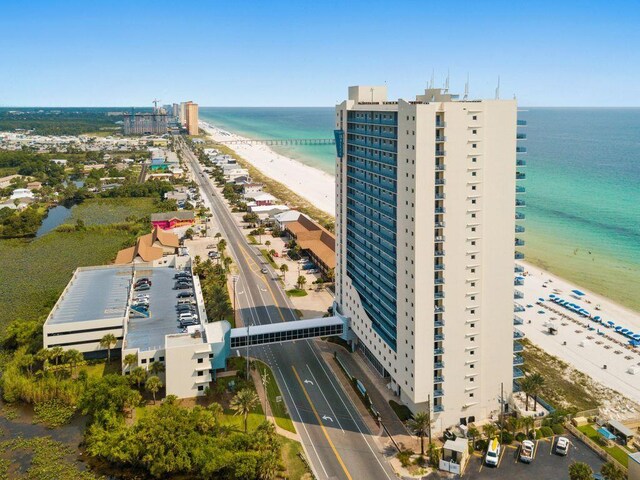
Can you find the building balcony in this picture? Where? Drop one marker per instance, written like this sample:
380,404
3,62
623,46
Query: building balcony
439,337
438,281
438,408
438,365
441,153
438,309
517,320
518,269
517,334
521,136
519,255
520,203
438,295
439,379
519,176
439,238
517,373
438,267
519,242
441,138
518,360
521,163
521,123
520,229
438,253
518,308
440,124
520,189
440,181
439,196
438,351
439,210
520,216
439,224
440,167
438,393
517,347
518,281
521,149
517,294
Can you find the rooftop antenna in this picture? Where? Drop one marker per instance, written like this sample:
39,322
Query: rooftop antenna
498,89
446,83
466,88
155,102
432,78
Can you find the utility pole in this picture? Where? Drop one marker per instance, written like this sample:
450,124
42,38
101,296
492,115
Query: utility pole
429,413
248,337
501,410
235,301
265,380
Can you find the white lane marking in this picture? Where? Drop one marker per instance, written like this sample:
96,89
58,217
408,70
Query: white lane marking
325,398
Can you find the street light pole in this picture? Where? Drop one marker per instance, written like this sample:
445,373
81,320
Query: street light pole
265,379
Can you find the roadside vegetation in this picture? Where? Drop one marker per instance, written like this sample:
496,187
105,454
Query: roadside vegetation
59,121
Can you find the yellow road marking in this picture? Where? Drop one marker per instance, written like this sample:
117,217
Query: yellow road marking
324,430
535,449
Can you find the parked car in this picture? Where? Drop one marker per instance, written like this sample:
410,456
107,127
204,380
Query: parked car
214,255
186,301
186,308
142,287
142,280
264,270
526,451
493,453
183,325
562,446
182,286
188,294
182,275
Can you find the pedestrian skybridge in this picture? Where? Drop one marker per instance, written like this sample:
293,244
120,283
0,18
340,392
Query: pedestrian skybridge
287,331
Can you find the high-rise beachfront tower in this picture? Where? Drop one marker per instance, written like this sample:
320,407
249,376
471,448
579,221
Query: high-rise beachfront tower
426,227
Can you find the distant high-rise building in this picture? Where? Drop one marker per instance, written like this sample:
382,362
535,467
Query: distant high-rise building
145,124
176,110
182,114
426,223
192,118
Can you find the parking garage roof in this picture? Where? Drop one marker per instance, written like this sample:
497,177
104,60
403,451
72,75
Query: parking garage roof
94,293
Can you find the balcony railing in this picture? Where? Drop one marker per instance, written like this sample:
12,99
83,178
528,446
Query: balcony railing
438,379
519,216
521,149
520,202
438,408
441,153
439,224
438,281
519,229
438,309
519,176
517,320
438,267
441,124
519,255
438,295
439,196
440,138
438,351
440,167
438,253
439,181
518,360
438,365
521,136
518,269
439,210
521,163
519,242
517,347
438,393
439,238
517,334
439,337
520,189
521,123
518,281
517,294
517,373
518,308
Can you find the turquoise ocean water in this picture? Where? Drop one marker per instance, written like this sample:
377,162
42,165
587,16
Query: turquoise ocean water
583,185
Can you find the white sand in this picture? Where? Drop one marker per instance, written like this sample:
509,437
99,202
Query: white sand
318,187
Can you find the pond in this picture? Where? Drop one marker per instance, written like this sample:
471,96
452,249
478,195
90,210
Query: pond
56,216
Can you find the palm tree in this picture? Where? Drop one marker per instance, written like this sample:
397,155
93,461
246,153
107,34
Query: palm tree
419,425
268,243
536,383
260,232
489,430
108,341
156,367
138,375
611,471
130,359
216,410
56,353
580,471
242,404
474,433
153,384
227,263
284,269
73,358
528,423
301,281
527,388
514,423
222,244
217,235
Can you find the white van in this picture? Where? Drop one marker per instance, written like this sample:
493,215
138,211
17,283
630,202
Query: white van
493,453
187,316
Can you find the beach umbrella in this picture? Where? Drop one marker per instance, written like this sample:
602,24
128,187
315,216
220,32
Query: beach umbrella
629,334
618,328
636,336
610,323
624,331
541,299
578,292
596,318
552,295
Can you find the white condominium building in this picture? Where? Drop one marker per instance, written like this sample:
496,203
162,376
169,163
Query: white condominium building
426,228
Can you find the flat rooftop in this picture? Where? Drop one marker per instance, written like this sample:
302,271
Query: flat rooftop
149,333
94,293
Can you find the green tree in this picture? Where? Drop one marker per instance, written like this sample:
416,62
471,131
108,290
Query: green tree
56,353
419,425
227,263
156,367
153,385
514,423
474,433
189,233
434,455
243,403
528,423
301,281
130,359
268,243
138,375
108,341
284,269
612,471
536,383
216,410
580,471
222,245
260,232
489,430
73,358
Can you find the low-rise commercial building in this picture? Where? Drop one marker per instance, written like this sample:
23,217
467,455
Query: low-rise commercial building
152,247
315,241
169,220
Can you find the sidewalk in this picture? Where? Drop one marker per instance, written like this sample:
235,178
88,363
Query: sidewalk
376,389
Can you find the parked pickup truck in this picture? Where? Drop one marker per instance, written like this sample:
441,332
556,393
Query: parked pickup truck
526,451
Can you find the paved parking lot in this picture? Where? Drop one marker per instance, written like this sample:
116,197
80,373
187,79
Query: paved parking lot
545,466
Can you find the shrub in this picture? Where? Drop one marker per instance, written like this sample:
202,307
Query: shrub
520,436
603,442
557,428
507,437
546,431
405,457
481,445
539,434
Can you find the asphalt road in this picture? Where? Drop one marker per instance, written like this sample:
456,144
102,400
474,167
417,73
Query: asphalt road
336,440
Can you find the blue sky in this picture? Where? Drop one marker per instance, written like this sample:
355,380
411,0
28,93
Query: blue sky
306,53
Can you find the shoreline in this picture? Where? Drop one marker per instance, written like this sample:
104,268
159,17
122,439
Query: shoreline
293,174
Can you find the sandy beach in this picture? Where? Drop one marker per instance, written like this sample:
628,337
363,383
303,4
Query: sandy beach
577,344
316,186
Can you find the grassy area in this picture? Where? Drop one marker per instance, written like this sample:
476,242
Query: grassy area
295,467
620,454
100,369
296,292
268,258
279,190
571,392
102,211
34,273
278,409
